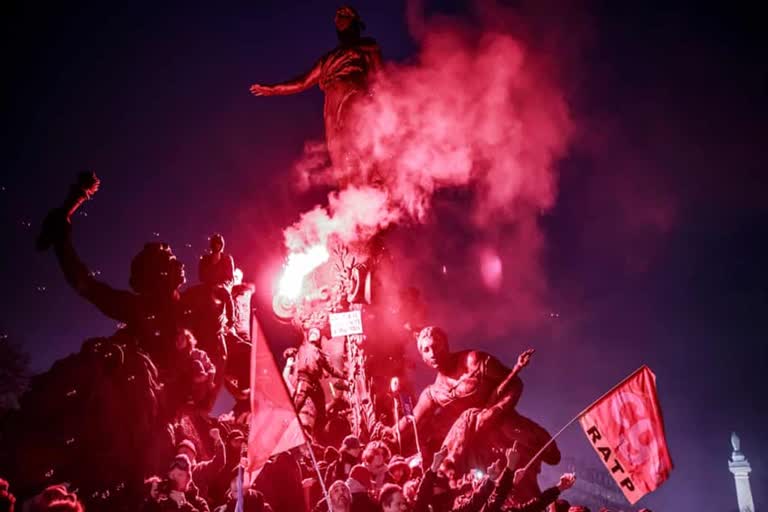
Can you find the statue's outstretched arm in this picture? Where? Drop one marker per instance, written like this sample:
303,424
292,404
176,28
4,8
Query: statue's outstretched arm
298,84
510,386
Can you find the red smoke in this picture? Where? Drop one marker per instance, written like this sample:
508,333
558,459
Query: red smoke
474,111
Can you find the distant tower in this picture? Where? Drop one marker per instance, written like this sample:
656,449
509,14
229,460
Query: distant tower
739,466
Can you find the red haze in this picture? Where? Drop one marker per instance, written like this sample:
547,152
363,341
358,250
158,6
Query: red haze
475,111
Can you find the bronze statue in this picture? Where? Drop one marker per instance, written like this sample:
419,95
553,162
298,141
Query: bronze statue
470,408
345,75
65,428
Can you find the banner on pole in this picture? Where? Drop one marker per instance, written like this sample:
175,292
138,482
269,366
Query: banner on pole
626,430
275,428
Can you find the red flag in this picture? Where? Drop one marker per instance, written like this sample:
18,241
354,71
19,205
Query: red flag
275,427
627,431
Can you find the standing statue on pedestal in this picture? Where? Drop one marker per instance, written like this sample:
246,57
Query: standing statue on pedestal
345,75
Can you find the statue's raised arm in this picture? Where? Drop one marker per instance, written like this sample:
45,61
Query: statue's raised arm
57,232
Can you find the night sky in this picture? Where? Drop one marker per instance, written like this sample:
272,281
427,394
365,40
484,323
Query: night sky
655,250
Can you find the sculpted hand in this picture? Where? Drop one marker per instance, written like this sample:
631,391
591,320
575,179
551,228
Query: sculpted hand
88,183
57,222
260,90
524,358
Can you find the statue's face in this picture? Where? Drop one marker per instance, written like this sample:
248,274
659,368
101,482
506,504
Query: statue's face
155,270
433,351
342,22
344,18
176,271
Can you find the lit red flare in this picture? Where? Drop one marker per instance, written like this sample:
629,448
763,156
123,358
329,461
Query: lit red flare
299,266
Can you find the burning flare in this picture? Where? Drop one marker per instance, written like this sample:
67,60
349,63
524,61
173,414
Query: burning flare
298,266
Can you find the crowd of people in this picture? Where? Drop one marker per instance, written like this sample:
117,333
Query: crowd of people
462,447
351,478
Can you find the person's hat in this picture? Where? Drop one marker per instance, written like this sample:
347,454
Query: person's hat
235,435
399,462
361,474
350,443
187,444
181,462
330,454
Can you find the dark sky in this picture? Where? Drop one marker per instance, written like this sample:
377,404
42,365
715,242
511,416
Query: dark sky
656,248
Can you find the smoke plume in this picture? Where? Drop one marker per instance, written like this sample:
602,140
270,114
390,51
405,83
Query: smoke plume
476,112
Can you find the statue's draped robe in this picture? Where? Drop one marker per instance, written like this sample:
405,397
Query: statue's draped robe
345,78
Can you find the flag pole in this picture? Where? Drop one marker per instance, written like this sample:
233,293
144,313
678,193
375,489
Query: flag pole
319,476
412,419
584,411
239,503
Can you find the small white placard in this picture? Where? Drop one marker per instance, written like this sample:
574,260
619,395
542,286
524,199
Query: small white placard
346,324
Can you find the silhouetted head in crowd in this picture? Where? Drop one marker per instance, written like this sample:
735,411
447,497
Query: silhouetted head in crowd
151,487
340,496
362,476
399,470
376,456
391,499
330,454
448,469
188,449
236,440
351,446
56,498
216,243
7,500
180,473
559,505
185,341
